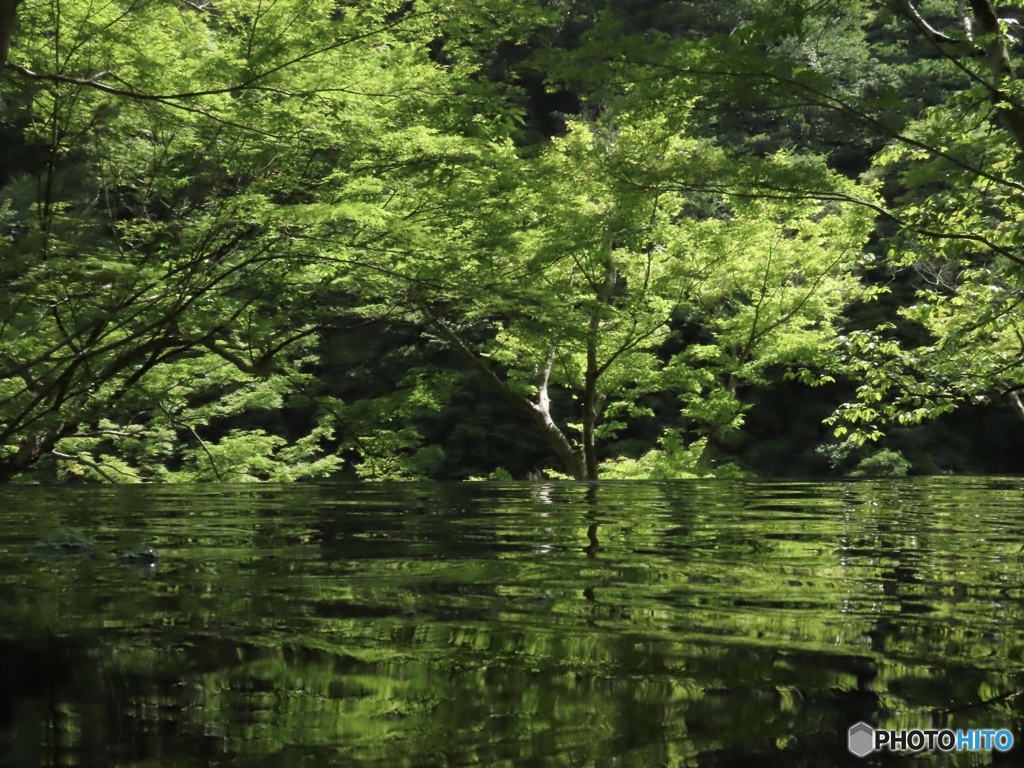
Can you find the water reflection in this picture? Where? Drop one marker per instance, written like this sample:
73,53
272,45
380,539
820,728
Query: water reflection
624,624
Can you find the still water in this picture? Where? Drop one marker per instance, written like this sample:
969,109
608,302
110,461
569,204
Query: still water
546,624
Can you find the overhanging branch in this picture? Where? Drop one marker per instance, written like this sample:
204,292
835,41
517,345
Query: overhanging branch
8,8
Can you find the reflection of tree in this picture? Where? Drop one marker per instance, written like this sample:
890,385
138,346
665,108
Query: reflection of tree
480,625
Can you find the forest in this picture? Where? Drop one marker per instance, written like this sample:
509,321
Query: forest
272,240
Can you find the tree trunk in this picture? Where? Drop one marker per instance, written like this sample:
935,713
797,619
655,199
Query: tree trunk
539,411
542,415
713,446
1018,406
590,401
8,18
981,22
591,395
997,59
30,450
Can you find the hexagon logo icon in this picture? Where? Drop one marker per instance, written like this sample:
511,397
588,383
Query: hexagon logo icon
860,739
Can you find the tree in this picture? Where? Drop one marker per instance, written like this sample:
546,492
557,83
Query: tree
955,176
203,195
577,279
198,179
931,92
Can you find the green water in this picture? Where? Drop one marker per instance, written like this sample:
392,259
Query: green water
644,624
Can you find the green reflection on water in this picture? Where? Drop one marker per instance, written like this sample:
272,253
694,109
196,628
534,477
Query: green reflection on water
711,624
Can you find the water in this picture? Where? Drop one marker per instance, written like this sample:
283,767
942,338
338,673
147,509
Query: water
643,624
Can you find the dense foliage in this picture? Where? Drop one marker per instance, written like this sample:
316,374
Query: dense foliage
258,239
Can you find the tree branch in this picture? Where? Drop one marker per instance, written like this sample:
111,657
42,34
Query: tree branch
937,37
540,411
87,462
246,84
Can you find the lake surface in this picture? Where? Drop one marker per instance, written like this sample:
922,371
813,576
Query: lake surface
546,624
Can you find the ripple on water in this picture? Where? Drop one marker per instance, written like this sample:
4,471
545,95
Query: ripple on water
542,624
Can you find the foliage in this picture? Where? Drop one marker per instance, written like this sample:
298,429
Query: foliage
884,463
671,460
198,201
930,93
602,259
198,181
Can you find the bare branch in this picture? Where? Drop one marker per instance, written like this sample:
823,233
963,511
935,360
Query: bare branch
87,462
921,23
